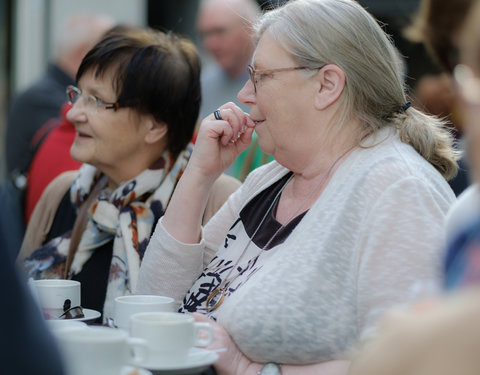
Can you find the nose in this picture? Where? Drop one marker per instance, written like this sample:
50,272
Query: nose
76,113
247,94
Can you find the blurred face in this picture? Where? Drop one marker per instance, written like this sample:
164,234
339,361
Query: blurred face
281,103
226,37
109,140
468,88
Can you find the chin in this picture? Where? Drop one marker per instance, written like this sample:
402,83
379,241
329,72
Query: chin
78,156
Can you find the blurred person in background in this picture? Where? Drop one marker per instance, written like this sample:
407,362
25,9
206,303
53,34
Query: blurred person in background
225,28
51,159
315,246
134,111
437,25
33,108
35,113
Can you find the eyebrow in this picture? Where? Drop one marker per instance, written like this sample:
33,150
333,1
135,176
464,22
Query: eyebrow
95,91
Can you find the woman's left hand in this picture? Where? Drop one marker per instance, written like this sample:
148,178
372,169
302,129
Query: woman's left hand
232,360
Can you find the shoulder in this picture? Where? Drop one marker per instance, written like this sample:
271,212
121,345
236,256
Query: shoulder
61,183
45,90
211,72
391,161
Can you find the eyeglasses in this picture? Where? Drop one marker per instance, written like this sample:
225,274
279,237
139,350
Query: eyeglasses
468,85
71,312
91,102
256,76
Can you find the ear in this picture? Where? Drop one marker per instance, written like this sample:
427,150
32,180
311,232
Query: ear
330,82
154,130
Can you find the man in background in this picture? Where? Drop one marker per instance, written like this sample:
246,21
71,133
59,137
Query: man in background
225,29
30,112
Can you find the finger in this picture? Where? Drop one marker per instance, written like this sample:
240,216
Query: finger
201,317
248,121
234,118
246,137
236,110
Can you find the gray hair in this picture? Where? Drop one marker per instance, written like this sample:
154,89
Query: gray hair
341,32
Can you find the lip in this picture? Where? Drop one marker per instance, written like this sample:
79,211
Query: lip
83,135
258,122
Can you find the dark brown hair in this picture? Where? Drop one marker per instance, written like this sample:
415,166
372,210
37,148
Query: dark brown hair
436,25
154,72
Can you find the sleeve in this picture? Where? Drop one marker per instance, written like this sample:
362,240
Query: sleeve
170,267
400,254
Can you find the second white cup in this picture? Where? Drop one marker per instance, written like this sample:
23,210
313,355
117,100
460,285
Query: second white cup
126,306
54,293
169,336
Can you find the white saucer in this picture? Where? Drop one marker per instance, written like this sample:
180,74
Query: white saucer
89,315
131,370
198,360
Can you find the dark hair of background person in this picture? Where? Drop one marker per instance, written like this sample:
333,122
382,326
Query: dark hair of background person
436,25
149,76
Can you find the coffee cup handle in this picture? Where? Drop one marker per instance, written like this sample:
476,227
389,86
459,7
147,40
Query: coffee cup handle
203,326
139,354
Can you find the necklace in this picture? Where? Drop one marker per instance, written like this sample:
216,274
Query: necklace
216,297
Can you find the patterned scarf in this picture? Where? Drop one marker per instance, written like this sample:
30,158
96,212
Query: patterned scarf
126,216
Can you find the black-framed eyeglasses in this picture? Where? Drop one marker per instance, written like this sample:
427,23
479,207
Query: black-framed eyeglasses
257,75
91,102
71,312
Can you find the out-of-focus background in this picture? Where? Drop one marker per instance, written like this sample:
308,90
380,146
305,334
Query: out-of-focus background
27,29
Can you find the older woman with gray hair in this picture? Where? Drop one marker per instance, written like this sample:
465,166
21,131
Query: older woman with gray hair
300,262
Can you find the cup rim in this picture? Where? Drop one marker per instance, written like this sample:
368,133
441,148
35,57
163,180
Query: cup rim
56,283
91,334
181,318
131,299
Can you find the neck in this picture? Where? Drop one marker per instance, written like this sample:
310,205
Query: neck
305,188
128,169
321,163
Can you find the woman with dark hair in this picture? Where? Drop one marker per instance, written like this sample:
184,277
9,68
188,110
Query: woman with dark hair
134,111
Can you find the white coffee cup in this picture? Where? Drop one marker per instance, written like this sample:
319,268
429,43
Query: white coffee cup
126,306
169,336
99,350
53,293
57,326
